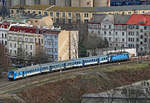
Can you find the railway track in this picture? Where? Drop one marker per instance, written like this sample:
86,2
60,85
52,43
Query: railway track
7,86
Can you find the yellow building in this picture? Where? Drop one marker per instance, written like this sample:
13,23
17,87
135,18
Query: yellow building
58,14
68,45
77,14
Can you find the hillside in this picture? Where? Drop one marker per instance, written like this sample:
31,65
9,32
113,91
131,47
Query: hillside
94,80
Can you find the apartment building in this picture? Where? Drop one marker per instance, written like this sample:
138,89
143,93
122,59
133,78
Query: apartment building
61,45
110,27
123,31
50,38
26,40
23,40
3,33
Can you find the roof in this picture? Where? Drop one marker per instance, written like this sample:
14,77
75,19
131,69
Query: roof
139,19
33,30
55,8
121,19
85,9
115,19
5,25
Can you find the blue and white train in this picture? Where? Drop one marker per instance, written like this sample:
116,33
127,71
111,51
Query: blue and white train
49,67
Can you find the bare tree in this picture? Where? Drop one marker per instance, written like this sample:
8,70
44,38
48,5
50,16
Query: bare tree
4,59
93,42
41,57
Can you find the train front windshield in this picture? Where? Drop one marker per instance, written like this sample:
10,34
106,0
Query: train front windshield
10,74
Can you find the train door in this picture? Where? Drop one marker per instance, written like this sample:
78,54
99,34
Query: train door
23,74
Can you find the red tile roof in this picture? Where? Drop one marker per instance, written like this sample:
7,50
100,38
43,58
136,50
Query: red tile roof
22,29
32,30
139,19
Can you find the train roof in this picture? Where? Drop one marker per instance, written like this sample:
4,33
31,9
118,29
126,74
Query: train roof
26,68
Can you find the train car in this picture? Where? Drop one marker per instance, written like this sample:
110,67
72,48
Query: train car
74,63
103,59
119,57
24,72
90,61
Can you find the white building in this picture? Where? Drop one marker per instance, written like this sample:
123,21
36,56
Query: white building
123,31
4,28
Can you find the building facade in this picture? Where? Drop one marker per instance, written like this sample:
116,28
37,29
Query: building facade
63,3
26,41
23,41
51,44
123,31
63,15
67,15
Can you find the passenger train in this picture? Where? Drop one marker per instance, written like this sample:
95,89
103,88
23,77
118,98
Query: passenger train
58,66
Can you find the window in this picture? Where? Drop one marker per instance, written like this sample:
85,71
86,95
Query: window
122,33
11,45
15,52
141,36
39,41
145,40
10,51
57,20
63,21
109,26
15,38
69,21
109,38
123,39
45,14
28,12
42,41
35,40
116,33
85,14
69,14
26,39
5,42
78,15
57,14
15,45
85,21
137,33
51,13
109,33
145,27
31,40
26,46
40,12
63,14
33,12
2,35
30,47
116,39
